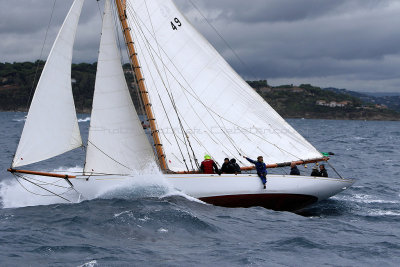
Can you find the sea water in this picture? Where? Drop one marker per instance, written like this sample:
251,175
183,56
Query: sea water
149,223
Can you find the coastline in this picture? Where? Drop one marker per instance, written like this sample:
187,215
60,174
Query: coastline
306,117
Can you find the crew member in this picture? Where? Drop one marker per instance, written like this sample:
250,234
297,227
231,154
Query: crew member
323,171
208,166
227,167
315,172
236,167
293,169
261,168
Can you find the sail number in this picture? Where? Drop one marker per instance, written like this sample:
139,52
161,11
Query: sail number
177,23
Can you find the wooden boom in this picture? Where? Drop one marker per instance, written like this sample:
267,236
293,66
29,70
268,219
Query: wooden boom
270,166
286,164
64,176
142,88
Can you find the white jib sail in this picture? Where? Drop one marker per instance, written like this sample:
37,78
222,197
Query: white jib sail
117,142
51,127
220,113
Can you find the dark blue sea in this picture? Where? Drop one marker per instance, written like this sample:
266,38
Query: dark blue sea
145,226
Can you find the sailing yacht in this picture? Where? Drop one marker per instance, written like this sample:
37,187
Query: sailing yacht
194,102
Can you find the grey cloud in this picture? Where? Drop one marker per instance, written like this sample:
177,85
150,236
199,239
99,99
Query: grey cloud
354,39
256,11
332,43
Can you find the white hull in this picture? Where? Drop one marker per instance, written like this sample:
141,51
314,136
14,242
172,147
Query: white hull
284,192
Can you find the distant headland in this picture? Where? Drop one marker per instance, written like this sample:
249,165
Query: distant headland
290,101
307,101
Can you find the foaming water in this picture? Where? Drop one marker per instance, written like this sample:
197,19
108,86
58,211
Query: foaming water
149,182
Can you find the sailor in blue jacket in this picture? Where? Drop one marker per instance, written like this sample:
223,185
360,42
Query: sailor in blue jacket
261,168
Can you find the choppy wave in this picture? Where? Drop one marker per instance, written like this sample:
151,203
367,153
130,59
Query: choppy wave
19,119
364,198
89,264
84,119
379,212
87,119
145,222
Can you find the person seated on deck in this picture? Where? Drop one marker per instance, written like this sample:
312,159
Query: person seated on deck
293,169
261,168
315,172
236,167
323,171
227,167
208,166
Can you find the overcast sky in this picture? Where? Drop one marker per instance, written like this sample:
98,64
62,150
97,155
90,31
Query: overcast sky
353,44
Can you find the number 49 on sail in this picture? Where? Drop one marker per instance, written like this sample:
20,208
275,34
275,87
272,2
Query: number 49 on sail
178,22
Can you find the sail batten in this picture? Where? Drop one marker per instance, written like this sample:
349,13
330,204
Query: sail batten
51,127
220,113
117,143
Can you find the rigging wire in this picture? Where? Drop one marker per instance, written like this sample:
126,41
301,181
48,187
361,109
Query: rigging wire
184,133
105,154
98,5
330,165
222,38
136,87
117,23
89,142
162,103
194,95
41,54
53,194
170,95
55,184
197,98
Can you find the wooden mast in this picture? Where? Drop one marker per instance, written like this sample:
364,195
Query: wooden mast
121,6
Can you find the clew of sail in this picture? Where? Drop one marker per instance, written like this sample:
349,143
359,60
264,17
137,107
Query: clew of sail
51,127
200,103
117,143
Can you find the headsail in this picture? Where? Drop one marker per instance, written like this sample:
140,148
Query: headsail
117,142
198,98
51,127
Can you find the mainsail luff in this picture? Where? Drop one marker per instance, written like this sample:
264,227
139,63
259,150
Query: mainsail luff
51,127
189,81
117,143
121,7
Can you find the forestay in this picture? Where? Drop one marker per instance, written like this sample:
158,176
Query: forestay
117,142
51,127
199,100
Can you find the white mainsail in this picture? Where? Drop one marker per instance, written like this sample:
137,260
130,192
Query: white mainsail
198,99
117,142
51,127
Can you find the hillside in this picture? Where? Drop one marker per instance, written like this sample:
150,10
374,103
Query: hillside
304,101
391,100
307,101
16,81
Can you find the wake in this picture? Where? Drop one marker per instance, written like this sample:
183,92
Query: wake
147,183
